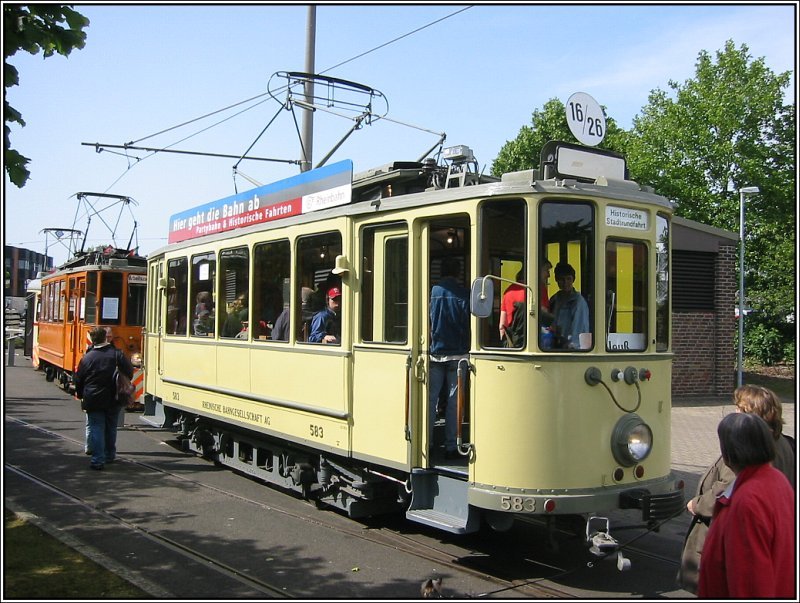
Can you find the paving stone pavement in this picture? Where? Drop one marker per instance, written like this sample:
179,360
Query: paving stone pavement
691,452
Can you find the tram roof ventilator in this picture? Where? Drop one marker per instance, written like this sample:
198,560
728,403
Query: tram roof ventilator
407,177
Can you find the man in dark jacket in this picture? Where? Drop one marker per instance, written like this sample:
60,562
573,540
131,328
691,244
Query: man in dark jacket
95,387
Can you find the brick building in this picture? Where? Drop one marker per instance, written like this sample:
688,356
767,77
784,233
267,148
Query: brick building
704,292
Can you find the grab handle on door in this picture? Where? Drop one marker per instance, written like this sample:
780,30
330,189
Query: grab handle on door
464,368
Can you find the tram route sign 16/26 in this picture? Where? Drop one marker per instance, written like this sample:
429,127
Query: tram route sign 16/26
586,119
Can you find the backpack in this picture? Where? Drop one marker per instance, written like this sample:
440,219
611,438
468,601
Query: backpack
515,333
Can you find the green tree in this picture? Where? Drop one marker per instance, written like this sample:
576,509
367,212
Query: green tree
34,28
550,123
728,128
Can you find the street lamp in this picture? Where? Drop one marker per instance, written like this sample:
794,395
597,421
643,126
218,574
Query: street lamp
747,190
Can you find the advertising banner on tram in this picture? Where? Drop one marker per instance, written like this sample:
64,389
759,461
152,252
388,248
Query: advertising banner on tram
314,190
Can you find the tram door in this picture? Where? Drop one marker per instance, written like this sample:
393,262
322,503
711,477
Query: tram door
385,389
74,301
446,260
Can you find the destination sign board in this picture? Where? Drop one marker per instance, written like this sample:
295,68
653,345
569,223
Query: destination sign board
328,186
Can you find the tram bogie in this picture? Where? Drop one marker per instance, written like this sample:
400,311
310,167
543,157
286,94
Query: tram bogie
554,423
322,478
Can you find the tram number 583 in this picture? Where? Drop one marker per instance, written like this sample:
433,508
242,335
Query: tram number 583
316,431
518,504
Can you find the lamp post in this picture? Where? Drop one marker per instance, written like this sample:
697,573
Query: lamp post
747,190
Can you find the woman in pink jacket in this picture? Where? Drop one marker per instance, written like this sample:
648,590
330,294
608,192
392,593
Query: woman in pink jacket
749,550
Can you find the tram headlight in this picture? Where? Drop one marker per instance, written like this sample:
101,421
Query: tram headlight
136,360
631,440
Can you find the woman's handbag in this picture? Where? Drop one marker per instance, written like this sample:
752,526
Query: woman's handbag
125,389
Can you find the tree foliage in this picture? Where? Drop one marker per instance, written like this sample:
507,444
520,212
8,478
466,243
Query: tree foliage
725,129
550,123
33,28
698,144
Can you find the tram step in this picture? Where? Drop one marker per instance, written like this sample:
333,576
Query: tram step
153,413
440,520
440,501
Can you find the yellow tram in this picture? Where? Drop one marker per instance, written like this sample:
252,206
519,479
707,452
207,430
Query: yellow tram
573,426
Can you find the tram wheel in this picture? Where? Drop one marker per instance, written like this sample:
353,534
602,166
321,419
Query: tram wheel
49,373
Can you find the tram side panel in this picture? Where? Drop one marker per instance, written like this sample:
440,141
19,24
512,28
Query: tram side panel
302,393
379,407
298,394
51,343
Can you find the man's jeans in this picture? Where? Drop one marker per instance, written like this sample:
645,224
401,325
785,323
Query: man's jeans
102,438
444,373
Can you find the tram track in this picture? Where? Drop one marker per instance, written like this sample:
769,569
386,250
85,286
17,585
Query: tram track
216,565
517,566
393,539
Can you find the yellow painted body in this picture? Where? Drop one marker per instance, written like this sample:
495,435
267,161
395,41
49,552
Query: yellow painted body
535,425
539,426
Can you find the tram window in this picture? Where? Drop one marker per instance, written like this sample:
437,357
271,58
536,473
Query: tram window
46,301
503,228
626,296
201,297
81,301
110,297
271,293
316,257
384,284
566,238
177,293
153,307
159,317
135,305
662,283
59,305
72,298
90,307
52,312
234,291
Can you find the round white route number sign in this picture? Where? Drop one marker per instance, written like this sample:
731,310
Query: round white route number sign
586,119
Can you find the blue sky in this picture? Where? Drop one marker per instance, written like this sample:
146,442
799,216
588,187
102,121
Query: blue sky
476,76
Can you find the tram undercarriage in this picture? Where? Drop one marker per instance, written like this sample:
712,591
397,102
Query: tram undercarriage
53,373
326,480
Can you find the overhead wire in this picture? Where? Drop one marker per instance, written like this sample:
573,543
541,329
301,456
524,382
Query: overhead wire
188,122
432,23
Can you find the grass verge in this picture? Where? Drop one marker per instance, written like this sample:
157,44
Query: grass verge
39,566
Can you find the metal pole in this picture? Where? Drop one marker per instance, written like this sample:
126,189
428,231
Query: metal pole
742,192
741,289
308,116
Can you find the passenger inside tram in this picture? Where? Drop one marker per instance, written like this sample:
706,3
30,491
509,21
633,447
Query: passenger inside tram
570,310
236,320
326,326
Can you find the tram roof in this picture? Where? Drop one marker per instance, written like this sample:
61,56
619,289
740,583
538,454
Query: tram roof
101,258
405,185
